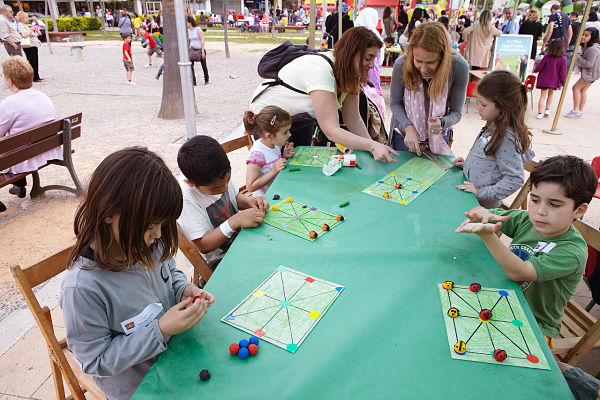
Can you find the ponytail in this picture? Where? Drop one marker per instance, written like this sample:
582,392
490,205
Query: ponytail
249,122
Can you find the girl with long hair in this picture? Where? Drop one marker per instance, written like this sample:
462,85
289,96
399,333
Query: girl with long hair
589,62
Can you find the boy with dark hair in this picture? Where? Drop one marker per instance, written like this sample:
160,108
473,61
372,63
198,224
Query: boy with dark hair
153,47
210,216
127,58
390,56
547,253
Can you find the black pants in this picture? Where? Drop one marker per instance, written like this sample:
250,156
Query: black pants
20,183
204,69
32,56
302,131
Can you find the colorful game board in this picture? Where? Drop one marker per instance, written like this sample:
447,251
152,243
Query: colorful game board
285,308
301,220
313,156
407,182
506,338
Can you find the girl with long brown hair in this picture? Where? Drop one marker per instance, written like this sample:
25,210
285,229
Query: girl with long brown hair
494,166
123,298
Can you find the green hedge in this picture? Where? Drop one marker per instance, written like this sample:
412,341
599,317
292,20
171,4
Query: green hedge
73,24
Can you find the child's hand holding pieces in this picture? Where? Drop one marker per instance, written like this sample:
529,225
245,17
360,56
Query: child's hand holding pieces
288,150
279,165
182,316
260,203
248,218
193,291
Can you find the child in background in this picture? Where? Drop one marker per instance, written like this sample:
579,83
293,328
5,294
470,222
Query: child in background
390,56
153,47
494,165
547,253
127,58
122,297
210,217
264,162
589,62
552,74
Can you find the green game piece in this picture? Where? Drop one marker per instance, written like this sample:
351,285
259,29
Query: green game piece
415,176
344,204
285,307
300,219
293,169
505,330
358,166
312,156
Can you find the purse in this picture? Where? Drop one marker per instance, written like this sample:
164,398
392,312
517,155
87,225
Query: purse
25,42
195,54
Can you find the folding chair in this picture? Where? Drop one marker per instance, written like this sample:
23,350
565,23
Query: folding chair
471,93
201,268
530,85
62,362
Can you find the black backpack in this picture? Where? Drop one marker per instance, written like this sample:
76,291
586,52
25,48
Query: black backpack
272,62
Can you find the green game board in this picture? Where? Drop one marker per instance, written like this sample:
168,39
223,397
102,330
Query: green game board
285,308
312,156
300,219
414,177
508,329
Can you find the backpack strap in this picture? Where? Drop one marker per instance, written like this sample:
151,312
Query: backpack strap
278,81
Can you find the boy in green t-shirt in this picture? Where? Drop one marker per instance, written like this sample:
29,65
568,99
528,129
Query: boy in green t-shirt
547,253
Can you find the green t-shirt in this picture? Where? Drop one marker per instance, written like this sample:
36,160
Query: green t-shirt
559,262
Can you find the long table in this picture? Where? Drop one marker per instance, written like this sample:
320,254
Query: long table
384,337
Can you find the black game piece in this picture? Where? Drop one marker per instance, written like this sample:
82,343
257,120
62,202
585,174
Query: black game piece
204,375
276,197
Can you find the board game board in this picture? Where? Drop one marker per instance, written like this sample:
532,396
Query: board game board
285,308
313,156
407,182
506,338
301,220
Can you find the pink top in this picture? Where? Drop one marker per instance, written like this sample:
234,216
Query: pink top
26,110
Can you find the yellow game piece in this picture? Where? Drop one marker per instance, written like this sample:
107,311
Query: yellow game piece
425,183
460,347
392,174
275,207
289,200
448,285
314,314
403,201
387,195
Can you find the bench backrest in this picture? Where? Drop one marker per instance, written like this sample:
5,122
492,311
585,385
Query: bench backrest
28,144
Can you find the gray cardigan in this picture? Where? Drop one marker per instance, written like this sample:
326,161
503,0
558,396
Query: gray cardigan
589,61
499,177
457,92
95,301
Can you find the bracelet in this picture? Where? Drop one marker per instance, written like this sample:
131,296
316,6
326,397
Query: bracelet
372,147
226,229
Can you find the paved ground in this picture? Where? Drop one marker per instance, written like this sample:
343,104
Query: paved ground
117,115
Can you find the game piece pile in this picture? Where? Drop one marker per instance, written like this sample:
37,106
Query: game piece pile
245,348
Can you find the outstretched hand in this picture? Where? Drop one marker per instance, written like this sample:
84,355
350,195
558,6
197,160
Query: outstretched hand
478,227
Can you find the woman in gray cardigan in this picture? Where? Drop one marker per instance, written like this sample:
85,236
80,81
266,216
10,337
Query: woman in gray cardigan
428,89
589,62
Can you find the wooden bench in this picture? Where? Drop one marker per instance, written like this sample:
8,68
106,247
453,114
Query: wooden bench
26,145
72,36
290,27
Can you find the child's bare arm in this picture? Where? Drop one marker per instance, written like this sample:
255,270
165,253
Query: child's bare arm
515,268
210,241
253,182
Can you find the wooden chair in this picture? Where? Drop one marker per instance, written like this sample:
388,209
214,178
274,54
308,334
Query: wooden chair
201,268
580,331
62,361
520,200
235,144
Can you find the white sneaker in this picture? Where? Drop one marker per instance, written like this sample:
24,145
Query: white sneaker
580,113
132,83
148,66
546,112
573,114
539,116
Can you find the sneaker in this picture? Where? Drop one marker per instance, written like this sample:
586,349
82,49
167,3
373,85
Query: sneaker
539,116
546,112
580,113
573,114
132,83
17,191
148,65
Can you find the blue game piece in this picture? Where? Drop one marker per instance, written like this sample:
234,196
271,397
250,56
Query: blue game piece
244,352
244,343
254,340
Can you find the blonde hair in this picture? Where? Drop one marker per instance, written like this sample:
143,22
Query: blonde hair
19,71
21,14
485,23
533,15
432,37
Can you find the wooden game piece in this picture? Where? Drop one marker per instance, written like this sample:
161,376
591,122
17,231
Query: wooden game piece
325,227
234,348
313,235
485,315
387,195
500,355
243,353
453,312
448,285
254,340
253,349
244,343
289,200
339,217
275,207
475,287
460,347
204,375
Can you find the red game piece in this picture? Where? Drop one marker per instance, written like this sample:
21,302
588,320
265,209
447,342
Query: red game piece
253,349
500,355
234,348
485,315
398,186
196,298
475,287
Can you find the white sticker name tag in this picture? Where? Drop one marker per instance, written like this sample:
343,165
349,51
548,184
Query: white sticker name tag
544,247
142,319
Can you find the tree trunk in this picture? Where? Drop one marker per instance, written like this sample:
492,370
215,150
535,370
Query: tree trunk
171,106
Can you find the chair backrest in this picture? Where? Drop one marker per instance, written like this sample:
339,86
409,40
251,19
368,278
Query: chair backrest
27,279
530,82
28,144
520,200
596,165
234,144
471,89
201,268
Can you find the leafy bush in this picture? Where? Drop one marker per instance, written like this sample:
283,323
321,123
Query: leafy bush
73,24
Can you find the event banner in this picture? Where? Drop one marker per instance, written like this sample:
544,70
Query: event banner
511,53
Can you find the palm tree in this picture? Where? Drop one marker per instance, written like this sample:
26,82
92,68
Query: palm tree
171,106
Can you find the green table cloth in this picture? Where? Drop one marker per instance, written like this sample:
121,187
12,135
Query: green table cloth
384,337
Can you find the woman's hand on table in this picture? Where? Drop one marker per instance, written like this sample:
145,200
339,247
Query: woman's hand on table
381,152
